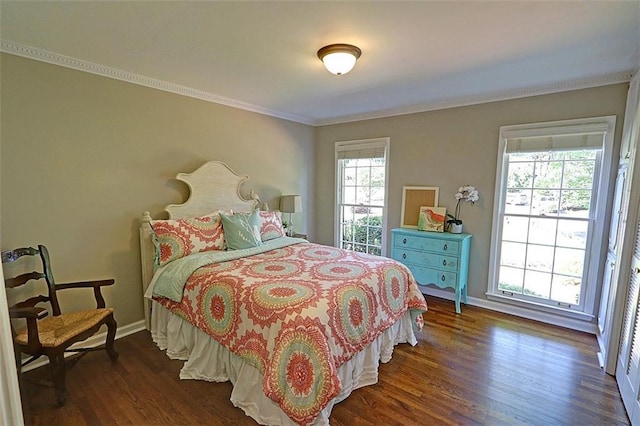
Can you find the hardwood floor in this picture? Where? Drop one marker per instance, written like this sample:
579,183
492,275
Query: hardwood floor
477,368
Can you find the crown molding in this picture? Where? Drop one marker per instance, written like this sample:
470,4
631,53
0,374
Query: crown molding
104,71
80,65
604,80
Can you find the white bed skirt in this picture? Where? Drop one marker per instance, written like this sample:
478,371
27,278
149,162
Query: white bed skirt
206,359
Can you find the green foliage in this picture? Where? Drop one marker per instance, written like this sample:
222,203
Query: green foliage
361,233
571,171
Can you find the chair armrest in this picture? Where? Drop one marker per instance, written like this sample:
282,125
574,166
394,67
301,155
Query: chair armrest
36,313
32,315
85,284
96,284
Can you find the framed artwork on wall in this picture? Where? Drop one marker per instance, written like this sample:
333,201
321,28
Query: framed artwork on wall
432,219
414,197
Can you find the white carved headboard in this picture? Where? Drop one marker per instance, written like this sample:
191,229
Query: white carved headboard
214,186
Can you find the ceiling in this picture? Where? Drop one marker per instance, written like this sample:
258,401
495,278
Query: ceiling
261,55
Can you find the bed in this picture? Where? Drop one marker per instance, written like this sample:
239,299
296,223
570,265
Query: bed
295,326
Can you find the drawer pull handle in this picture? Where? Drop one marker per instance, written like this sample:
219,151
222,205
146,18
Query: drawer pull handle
404,255
404,241
445,247
443,278
444,262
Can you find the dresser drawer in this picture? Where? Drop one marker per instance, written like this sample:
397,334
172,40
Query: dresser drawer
439,259
429,260
426,276
428,244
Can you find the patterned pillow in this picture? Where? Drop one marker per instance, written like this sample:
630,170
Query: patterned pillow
241,230
178,238
271,225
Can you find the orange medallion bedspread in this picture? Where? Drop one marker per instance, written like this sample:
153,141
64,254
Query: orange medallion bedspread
297,313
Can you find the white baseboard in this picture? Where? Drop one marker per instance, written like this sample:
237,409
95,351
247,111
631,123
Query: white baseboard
93,341
544,317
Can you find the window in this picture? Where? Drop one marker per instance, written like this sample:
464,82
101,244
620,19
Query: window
548,215
361,169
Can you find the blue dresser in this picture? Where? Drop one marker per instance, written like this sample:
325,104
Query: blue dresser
437,258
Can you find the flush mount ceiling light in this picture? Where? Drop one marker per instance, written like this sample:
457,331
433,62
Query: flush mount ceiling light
339,59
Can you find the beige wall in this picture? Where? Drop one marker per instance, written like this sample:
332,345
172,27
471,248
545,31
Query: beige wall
82,156
450,148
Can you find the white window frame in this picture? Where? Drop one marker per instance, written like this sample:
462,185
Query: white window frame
596,245
358,145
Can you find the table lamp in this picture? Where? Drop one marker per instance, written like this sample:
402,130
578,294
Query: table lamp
290,204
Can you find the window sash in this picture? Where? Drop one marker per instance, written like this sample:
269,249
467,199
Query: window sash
363,149
530,243
597,239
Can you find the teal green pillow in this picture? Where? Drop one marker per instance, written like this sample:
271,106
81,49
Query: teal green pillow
241,230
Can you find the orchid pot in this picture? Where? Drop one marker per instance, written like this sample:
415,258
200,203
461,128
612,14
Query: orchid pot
455,228
465,194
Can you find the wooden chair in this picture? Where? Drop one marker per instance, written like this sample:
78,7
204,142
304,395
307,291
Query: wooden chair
52,335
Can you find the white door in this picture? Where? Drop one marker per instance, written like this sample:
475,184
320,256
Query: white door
10,404
609,327
628,369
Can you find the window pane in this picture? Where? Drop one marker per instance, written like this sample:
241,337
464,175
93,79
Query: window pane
349,175
362,195
515,228
573,233
548,174
537,284
540,258
517,202
377,196
375,215
575,203
566,289
364,176
543,231
377,177
361,248
520,175
511,279
348,195
569,262
374,250
579,174
546,202
513,254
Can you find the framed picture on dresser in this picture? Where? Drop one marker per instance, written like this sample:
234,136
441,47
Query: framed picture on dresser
432,219
414,197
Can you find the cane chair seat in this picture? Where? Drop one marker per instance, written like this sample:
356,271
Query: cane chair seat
54,331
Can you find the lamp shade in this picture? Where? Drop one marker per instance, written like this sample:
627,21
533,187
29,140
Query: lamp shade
291,203
339,59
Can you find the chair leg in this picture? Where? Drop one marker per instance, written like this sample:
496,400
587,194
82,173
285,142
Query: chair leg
18,355
58,377
112,326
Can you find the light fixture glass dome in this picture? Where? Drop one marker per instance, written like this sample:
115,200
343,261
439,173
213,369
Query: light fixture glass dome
339,59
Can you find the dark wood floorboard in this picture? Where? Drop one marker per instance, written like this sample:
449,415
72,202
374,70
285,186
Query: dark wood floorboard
477,368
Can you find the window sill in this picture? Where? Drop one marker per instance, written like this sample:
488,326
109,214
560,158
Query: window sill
560,312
